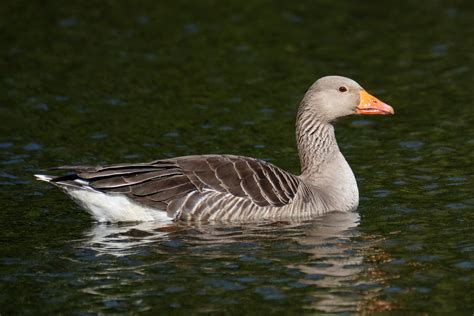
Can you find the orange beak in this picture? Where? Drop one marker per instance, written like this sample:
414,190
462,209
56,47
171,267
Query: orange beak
370,105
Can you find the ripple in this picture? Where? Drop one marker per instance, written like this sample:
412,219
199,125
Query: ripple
469,248
381,193
427,258
41,106
246,279
226,128
293,18
191,28
411,144
414,247
464,265
226,285
6,145
242,48
430,187
362,123
172,134
98,135
267,111
68,22
247,122
175,289
61,98
32,147
115,101
298,285
7,175
393,290
398,261
404,209
151,57
142,19
314,276
456,206
270,293
255,260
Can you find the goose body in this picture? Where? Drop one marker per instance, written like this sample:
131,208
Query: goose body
234,188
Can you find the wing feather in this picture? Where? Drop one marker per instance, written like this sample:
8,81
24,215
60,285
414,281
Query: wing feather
151,187
194,186
250,186
128,179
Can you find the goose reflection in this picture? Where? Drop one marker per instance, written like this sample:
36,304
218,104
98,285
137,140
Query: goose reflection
125,239
329,255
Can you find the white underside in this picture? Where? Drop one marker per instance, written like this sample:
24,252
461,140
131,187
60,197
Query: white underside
115,208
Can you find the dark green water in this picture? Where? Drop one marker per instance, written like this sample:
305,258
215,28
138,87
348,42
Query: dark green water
110,81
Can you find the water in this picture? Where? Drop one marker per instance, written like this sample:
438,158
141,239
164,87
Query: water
109,82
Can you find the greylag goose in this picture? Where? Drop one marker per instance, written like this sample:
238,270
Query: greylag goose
234,188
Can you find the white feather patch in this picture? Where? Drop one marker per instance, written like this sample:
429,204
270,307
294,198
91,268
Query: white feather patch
43,177
115,208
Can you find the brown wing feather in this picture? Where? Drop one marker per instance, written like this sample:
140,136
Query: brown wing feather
152,187
168,183
259,181
127,179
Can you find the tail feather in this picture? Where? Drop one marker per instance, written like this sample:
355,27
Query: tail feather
102,206
70,180
43,177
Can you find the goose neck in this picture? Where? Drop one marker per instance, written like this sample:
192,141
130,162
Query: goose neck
316,144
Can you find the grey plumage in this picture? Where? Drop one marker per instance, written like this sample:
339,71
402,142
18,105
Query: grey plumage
227,187
191,187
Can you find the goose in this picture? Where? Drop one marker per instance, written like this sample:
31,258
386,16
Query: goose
230,188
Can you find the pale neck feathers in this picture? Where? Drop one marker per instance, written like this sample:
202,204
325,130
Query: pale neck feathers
316,141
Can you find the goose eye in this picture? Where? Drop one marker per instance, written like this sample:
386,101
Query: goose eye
342,89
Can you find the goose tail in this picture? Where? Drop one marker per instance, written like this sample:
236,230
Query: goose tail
44,177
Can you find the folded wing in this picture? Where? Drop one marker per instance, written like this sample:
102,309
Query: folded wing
187,185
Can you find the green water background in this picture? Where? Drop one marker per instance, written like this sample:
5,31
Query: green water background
114,81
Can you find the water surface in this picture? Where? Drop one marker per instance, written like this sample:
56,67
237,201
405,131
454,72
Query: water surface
110,82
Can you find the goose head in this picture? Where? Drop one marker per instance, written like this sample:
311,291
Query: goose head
332,97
